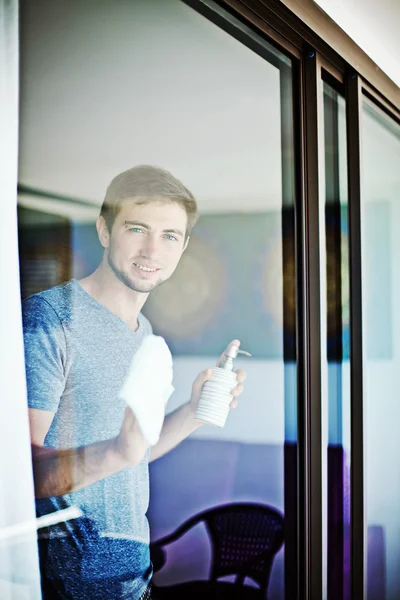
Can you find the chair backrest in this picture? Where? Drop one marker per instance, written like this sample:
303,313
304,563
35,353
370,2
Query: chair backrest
245,538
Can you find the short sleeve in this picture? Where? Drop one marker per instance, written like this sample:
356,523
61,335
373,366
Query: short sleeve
45,354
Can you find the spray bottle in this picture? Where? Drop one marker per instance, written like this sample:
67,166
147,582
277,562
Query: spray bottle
213,406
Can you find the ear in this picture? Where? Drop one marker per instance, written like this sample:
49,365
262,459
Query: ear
186,243
102,232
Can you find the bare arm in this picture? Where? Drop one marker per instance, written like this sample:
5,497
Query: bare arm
58,472
177,426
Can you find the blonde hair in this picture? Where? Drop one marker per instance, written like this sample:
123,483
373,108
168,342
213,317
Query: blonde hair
143,184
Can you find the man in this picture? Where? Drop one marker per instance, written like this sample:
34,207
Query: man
88,449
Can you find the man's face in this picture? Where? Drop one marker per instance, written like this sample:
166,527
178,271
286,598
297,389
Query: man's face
146,242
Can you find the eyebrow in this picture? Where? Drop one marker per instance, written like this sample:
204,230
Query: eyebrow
145,226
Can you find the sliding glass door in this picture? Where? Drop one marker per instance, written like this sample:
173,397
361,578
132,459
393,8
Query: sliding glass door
269,129
381,333
214,104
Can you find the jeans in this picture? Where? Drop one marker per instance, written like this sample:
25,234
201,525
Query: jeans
85,566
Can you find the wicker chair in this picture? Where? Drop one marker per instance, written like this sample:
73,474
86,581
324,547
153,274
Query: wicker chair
245,538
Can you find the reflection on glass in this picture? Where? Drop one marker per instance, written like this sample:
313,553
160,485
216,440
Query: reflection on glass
381,335
337,350
219,116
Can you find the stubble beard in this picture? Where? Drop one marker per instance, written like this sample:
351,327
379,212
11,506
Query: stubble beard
142,287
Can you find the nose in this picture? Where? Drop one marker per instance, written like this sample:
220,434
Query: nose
150,247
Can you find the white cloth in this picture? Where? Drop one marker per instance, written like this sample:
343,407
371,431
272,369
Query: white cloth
148,386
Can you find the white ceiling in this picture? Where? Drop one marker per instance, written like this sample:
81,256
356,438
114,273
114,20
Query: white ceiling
374,26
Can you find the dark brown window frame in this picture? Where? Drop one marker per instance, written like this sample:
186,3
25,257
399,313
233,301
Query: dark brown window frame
319,50
315,26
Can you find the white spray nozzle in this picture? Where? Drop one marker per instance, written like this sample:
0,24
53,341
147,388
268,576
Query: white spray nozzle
230,353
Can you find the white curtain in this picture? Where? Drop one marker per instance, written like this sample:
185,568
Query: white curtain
19,570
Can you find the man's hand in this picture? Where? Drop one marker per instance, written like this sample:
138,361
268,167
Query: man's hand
181,423
130,444
205,375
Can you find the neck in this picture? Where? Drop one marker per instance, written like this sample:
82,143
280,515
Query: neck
105,287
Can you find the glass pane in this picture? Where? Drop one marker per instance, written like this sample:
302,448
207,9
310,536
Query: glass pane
337,348
157,83
381,335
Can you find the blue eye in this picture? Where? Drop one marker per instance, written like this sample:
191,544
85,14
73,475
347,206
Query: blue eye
171,238
135,230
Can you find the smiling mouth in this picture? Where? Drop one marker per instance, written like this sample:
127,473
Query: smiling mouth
145,269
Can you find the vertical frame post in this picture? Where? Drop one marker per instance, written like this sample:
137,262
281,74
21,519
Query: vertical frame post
309,355
353,104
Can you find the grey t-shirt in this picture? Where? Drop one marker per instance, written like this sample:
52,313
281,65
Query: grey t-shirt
77,354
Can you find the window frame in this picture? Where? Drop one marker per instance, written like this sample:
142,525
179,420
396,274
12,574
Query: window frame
320,50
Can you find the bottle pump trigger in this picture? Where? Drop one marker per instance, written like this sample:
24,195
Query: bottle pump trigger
230,353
